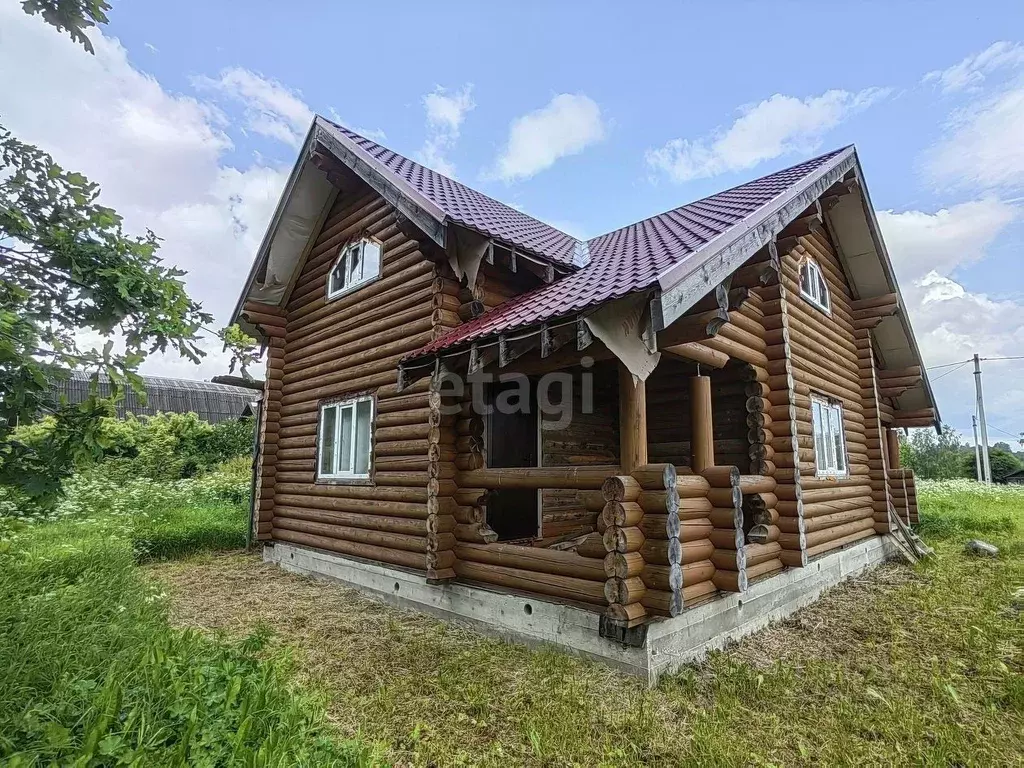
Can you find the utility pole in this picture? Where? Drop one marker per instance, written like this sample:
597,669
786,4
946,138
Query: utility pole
981,417
977,449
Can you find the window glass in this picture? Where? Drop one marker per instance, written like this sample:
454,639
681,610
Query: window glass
813,286
345,459
836,422
328,440
364,415
371,259
338,274
344,448
829,443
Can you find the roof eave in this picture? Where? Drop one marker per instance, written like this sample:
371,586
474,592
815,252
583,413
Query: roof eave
275,221
409,202
683,284
890,274
415,206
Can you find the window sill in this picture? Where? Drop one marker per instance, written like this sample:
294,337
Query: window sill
832,475
817,305
344,481
351,288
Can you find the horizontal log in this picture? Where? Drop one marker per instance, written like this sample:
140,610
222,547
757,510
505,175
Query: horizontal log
404,558
552,585
661,576
535,559
581,478
624,591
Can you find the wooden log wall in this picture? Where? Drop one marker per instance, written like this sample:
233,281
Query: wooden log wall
897,489
911,486
877,436
823,360
351,345
273,323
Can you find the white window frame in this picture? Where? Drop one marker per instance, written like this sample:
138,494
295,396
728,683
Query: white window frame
365,276
817,292
346,473
829,430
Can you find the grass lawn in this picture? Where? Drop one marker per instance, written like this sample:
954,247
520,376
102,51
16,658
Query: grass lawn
899,666
133,631
93,674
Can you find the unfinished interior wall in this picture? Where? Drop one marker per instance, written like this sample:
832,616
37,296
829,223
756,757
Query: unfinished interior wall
585,434
668,413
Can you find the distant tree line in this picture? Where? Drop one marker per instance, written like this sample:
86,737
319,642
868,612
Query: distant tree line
946,455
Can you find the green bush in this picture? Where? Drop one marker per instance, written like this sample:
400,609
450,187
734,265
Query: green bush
168,446
93,675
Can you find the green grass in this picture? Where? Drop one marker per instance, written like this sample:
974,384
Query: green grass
899,666
94,675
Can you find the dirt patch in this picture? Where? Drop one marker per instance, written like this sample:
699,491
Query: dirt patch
830,628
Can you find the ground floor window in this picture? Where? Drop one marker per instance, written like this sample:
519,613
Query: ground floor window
829,442
343,447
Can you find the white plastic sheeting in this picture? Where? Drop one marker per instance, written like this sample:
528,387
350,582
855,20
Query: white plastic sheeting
620,325
302,213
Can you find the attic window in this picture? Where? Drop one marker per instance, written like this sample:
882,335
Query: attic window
813,286
358,262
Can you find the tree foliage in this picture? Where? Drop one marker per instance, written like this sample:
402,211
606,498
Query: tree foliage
245,350
1001,461
67,268
935,456
71,16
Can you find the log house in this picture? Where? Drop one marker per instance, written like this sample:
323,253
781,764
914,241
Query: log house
634,425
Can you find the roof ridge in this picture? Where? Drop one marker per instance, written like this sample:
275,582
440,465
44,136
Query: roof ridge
759,179
579,251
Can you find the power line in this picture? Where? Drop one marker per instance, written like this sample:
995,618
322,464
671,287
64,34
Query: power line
946,365
1014,357
958,367
1008,434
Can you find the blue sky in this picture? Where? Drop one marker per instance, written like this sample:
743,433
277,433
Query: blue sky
588,116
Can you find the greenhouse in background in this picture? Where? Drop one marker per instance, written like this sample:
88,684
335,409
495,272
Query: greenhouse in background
210,400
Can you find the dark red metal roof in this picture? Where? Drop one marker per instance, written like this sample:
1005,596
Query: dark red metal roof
476,210
631,258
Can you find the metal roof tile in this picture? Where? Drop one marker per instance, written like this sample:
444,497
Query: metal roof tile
631,258
473,209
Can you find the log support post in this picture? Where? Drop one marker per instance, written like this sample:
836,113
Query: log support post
893,440
702,441
632,420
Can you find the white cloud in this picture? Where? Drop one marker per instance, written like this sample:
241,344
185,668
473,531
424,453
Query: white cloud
982,146
272,109
970,73
952,323
157,156
567,125
777,126
445,111
924,242
445,114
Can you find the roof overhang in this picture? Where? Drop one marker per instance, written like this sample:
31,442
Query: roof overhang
868,265
861,249
304,204
685,283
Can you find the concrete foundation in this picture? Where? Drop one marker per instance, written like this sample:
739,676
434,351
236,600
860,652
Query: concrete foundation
669,643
